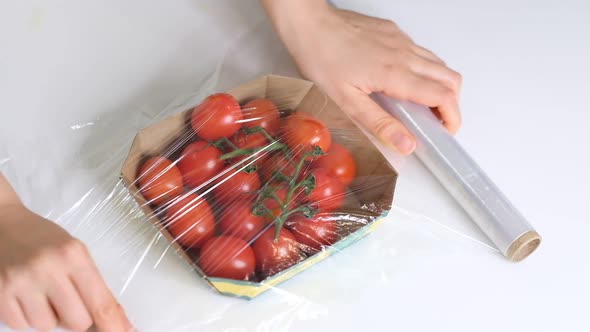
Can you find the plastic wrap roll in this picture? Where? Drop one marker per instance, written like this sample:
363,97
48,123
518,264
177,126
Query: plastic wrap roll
465,180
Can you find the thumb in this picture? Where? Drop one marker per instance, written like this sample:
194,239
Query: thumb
385,127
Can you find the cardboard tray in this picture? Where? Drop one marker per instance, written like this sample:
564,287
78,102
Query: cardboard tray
372,189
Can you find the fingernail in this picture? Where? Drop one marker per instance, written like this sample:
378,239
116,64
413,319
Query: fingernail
403,143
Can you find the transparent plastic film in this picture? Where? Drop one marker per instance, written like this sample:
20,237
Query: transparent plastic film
238,191
253,186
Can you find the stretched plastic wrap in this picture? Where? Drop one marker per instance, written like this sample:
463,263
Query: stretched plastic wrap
236,189
255,185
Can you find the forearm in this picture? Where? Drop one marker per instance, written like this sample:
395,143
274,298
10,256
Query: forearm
286,15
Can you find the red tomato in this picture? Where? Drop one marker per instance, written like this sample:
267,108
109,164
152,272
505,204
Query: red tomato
303,132
190,220
275,207
235,184
276,162
273,256
315,233
339,163
251,141
279,162
227,257
328,194
159,180
199,162
218,116
239,221
262,113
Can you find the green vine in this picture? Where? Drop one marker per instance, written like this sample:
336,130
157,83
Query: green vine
268,191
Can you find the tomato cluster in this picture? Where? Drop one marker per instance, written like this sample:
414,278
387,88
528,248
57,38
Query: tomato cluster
252,194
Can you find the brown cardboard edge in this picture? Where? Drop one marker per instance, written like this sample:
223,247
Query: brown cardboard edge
385,201
178,249
125,168
523,246
149,213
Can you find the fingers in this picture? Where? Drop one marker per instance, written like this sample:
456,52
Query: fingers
436,71
411,72
104,309
386,128
12,314
70,309
427,54
38,311
420,76
406,84
36,280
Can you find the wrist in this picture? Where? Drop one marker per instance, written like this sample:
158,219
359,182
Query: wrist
296,20
293,7
288,15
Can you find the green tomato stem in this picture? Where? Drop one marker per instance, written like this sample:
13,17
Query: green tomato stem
260,130
293,184
219,143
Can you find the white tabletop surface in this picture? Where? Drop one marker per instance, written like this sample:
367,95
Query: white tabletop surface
78,78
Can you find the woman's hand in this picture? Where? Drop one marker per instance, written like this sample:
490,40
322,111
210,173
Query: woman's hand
48,279
351,55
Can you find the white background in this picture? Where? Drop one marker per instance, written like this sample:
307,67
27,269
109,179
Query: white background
67,67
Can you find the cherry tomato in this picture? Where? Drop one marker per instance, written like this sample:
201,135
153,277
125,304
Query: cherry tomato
273,256
279,162
235,184
262,113
250,141
227,257
239,221
218,116
273,205
276,162
199,162
281,191
339,163
328,194
190,220
315,233
303,132
159,180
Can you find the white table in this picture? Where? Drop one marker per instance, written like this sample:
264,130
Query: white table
77,80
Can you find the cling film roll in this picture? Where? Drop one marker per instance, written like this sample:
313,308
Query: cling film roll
489,208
